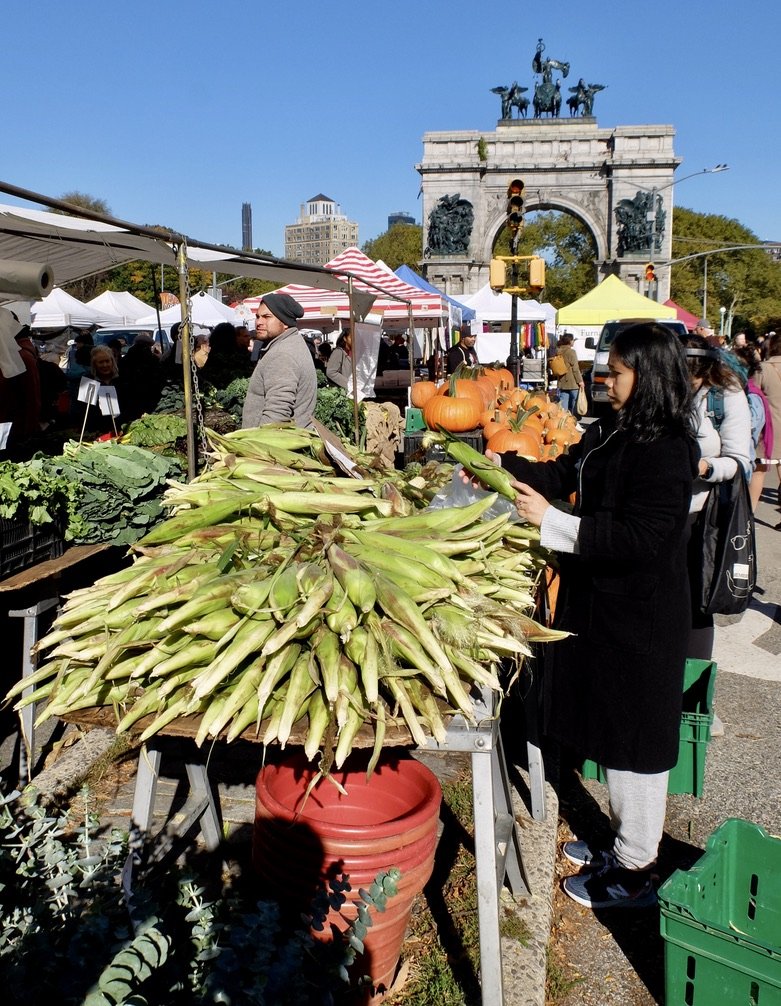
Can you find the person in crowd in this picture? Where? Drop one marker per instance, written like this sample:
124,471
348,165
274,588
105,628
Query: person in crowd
55,403
339,369
401,350
20,396
615,684
761,422
324,351
723,431
243,338
570,383
103,369
227,360
283,386
463,352
140,379
117,347
768,380
739,342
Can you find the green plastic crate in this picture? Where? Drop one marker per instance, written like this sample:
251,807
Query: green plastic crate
721,922
413,420
688,775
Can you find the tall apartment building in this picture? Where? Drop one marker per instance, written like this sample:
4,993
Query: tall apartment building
322,231
400,218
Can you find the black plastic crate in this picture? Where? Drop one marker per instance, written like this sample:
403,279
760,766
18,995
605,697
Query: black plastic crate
23,544
415,451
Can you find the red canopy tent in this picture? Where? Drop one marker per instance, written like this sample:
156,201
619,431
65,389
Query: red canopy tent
368,276
689,320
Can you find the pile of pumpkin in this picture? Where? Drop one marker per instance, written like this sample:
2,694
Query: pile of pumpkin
512,419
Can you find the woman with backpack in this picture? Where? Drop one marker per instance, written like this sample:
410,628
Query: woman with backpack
722,421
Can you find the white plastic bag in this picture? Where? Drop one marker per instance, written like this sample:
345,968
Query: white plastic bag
460,493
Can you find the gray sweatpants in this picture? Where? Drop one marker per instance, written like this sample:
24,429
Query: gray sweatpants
637,807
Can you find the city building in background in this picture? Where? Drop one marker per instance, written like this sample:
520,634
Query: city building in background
246,226
399,218
321,233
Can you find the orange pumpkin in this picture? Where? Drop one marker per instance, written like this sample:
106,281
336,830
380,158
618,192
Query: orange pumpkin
494,425
455,414
522,441
421,391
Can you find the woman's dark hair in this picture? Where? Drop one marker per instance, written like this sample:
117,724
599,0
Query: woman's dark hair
749,357
566,339
325,349
222,341
707,363
661,402
773,345
340,342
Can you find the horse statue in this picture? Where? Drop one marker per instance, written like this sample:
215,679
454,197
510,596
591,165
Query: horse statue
547,95
583,97
512,97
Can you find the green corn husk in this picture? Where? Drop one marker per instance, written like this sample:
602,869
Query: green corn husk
490,474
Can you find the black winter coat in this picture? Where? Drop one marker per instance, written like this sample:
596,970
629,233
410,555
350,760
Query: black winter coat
614,688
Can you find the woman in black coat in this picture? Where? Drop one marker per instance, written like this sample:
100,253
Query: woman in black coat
615,685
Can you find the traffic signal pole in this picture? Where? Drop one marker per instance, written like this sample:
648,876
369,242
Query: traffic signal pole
515,363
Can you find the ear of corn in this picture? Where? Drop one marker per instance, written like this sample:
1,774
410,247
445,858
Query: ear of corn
283,600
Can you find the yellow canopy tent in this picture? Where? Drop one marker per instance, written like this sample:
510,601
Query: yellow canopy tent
611,299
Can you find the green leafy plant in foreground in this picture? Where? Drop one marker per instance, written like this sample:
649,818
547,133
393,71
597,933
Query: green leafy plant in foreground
69,921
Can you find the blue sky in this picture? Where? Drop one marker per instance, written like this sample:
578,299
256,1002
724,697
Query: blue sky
177,112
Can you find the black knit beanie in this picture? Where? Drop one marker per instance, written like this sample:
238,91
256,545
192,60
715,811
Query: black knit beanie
283,306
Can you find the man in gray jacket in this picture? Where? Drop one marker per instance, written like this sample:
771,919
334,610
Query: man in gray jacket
283,386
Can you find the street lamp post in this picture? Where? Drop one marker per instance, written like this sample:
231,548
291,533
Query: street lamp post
722,312
717,169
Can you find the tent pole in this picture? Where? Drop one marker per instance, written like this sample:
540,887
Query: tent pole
187,376
356,409
411,351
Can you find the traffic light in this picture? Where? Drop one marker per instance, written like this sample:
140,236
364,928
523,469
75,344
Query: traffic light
497,274
650,273
515,206
537,274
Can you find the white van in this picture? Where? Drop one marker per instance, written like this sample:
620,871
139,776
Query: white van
599,400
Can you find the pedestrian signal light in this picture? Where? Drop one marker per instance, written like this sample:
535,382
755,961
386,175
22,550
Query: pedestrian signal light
537,274
497,274
650,273
515,205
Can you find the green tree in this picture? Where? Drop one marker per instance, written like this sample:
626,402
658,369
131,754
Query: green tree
569,250
746,282
401,244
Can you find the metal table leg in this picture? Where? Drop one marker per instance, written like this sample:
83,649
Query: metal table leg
200,807
29,664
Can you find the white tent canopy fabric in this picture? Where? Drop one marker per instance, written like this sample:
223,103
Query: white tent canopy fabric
206,312
75,247
490,306
59,310
126,308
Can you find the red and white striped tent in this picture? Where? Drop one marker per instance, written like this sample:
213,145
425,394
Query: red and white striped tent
429,309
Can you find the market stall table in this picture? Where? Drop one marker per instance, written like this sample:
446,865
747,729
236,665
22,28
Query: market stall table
39,585
498,855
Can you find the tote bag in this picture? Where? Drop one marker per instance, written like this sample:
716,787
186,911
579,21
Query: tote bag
729,564
581,405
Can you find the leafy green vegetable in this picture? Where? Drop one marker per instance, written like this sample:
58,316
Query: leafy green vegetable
334,409
30,490
155,430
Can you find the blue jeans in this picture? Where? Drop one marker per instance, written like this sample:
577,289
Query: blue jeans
567,399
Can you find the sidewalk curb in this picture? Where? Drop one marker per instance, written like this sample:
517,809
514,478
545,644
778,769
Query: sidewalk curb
525,968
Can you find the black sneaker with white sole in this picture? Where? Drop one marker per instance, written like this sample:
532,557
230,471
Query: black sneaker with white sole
611,886
581,854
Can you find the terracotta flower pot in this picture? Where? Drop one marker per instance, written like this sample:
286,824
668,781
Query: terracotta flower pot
391,820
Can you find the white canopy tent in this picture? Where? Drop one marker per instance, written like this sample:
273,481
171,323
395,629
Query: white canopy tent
59,310
206,312
126,308
490,306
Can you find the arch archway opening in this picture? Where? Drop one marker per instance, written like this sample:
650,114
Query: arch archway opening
568,247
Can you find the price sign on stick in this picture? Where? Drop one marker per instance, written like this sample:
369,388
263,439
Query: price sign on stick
88,393
5,429
109,404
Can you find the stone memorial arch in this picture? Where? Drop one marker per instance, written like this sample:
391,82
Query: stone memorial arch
617,181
